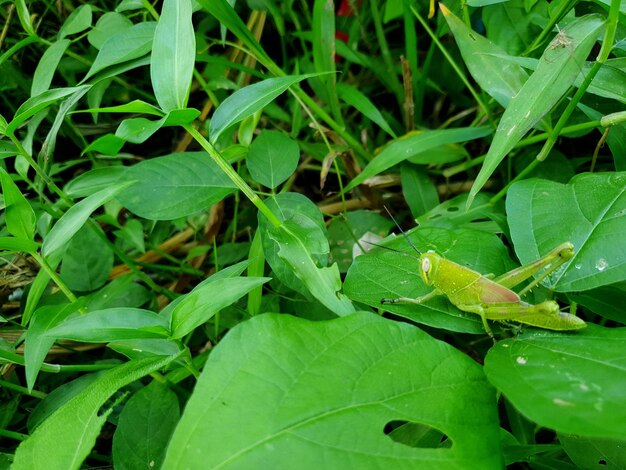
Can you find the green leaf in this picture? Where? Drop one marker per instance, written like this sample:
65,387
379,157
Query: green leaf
593,452
88,260
78,21
24,16
324,53
112,324
19,215
108,25
202,303
352,96
18,244
175,185
173,55
227,17
411,145
47,66
138,130
572,383
498,77
79,421
557,69
75,218
286,205
344,231
387,274
295,241
323,393
419,190
93,181
124,46
247,101
272,158
144,428
594,206
37,103
135,106
36,343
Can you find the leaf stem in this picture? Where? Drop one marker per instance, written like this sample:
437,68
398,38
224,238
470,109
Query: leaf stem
233,175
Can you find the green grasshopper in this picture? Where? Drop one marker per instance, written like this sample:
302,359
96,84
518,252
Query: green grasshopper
493,299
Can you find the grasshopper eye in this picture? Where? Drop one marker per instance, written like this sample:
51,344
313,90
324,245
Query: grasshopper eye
425,265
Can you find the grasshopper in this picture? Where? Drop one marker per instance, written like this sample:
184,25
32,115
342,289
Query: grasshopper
493,299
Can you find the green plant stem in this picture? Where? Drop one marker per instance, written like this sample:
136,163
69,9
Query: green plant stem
16,47
13,435
233,175
55,278
51,184
561,10
22,390
394,82
448,172
454,66
607,44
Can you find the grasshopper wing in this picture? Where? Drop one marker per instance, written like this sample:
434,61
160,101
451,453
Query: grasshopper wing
491,292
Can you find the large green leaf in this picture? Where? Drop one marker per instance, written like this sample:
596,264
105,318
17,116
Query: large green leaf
573,383
79,421
319,395
594,206
175,185
595,453
173,55
388,274
414,144
557,69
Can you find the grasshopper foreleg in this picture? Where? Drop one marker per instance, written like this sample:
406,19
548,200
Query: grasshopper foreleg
410,300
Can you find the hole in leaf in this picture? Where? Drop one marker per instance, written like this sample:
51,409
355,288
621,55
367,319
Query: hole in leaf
453,209
434,216
416,435
601,462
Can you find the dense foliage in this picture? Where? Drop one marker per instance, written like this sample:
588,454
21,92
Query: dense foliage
193,195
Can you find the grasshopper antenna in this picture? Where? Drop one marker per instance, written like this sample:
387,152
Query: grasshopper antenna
406,237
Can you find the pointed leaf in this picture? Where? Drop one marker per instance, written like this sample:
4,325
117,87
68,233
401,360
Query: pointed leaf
247,101
411,145
75,218
79,421
173,55
556,72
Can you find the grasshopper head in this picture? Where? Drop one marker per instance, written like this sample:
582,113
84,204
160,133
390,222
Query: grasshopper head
428,266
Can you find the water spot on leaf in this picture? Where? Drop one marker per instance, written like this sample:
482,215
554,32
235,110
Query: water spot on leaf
559,402
601,264
521,360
